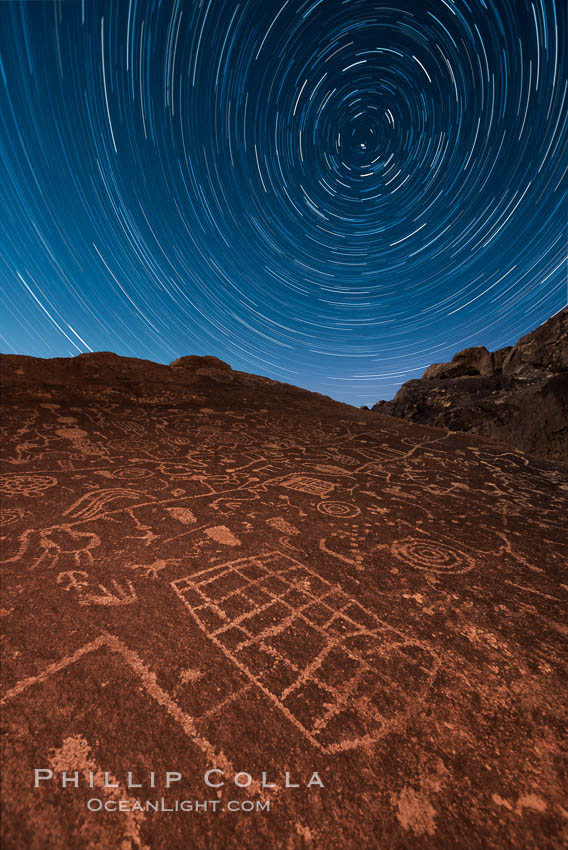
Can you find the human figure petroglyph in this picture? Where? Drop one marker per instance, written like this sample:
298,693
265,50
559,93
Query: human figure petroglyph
57,546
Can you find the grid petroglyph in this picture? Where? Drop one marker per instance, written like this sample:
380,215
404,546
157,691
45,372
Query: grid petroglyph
331,666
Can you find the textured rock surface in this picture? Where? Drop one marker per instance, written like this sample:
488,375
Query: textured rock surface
518,394
205,569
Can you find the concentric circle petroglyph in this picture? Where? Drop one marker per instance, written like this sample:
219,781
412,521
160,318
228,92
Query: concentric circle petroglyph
339,510
432,555
18,484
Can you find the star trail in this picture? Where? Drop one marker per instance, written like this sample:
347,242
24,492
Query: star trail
333,194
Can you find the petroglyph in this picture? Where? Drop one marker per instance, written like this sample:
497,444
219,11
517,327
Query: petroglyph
183,515
340,510
306,484
222,534
75,756
94,503
289,584
153,570
80,581
282,525
148,683
353,557
432,555
119,595
20,484
312,649
132,473
9,516
326,468
58,546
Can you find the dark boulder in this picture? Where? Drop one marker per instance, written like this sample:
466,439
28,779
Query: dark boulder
518,394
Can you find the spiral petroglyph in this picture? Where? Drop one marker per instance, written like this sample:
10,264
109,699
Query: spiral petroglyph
432,555
340,510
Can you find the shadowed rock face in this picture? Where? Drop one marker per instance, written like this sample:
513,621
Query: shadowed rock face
203,569
518,394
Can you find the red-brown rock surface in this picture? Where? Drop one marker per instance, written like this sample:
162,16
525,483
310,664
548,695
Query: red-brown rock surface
207,570
518,394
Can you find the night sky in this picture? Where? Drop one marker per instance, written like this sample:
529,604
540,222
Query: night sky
332,194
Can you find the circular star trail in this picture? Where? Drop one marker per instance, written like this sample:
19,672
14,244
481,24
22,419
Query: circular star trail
335,194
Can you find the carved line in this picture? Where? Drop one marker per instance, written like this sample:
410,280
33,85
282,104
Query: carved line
331,641
151,686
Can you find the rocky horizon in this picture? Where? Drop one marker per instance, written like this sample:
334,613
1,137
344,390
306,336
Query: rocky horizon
518,394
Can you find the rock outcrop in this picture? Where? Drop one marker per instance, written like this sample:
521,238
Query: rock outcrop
518,394
352,625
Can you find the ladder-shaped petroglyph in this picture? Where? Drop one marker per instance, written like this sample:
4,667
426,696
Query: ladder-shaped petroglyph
306,484
343,677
